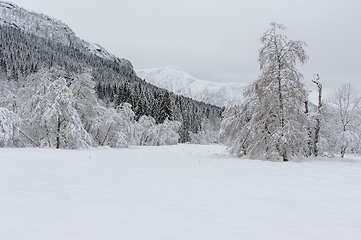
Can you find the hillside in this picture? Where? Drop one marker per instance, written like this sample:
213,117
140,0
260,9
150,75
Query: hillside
179,82
47,27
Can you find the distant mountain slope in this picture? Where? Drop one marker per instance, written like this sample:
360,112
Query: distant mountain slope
179,82
52,29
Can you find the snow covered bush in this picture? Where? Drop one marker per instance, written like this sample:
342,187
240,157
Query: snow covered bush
118,127
168,132
7,95
234,133
151,134
146,131
208,134
9,127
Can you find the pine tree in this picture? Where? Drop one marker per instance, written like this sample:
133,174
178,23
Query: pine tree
166,111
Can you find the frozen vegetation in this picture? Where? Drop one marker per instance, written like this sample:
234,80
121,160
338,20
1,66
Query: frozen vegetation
175,192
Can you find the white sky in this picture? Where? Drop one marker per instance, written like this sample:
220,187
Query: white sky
218,40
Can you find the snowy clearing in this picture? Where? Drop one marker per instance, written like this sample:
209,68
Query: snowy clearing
175,192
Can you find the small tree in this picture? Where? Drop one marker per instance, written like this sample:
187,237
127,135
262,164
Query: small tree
118,128
85,101
146,131
347,107
208,134
7,95
234,132
166,111
9,127
151,134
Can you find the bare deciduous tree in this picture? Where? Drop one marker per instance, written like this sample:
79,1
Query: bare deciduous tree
347,106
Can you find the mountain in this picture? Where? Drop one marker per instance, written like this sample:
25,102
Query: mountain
52,29
176,80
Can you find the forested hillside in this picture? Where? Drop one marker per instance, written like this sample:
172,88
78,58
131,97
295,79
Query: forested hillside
22,54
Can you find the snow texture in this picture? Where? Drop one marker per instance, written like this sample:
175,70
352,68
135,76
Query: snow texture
179,82
175,192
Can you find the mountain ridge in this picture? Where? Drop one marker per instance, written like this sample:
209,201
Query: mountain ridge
178,81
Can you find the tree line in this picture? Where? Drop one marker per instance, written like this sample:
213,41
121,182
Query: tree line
54,109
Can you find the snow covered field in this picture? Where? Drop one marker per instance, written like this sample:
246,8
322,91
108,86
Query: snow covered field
175,192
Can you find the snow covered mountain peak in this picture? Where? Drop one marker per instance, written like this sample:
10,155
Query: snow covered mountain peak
178,81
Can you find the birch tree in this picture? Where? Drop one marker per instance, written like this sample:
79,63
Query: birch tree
48,111
276,127
347,107
85,101
61,120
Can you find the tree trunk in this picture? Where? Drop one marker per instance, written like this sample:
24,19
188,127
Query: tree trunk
318,118
343,150
58,135
310,142
31,140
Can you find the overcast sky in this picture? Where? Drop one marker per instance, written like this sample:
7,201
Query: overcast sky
218,40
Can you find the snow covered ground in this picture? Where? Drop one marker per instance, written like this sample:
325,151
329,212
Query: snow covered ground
175,192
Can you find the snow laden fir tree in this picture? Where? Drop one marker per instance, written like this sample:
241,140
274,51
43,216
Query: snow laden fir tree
271,122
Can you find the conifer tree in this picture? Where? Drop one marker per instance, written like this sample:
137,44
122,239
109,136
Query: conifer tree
166,111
